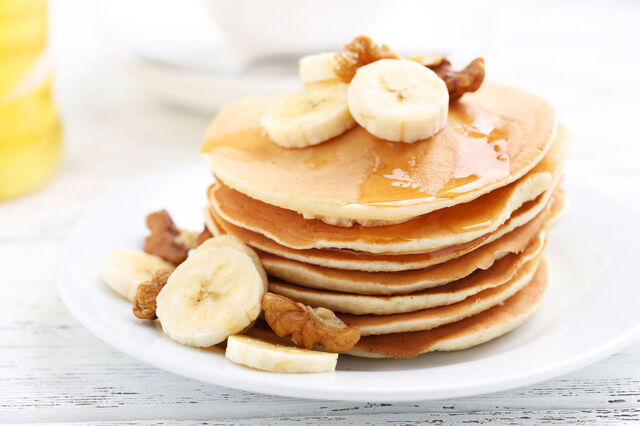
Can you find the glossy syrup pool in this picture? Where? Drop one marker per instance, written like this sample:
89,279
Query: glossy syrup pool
477,144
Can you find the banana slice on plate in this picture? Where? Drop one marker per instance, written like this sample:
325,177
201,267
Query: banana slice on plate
398,100
125,270
233,242
309,117
213,294
318,68
275,358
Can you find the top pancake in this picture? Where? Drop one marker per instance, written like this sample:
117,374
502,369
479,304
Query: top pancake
493,137
443,228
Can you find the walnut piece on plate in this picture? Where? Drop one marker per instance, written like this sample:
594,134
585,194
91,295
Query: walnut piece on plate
308,326
144,302
357,53
166,240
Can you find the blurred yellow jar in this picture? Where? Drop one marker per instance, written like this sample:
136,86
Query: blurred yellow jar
30,137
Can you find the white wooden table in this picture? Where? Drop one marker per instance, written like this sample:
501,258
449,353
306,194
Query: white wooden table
53,370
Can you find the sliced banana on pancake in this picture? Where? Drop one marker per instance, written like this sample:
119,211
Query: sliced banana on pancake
213,294
341,178
309,117
398,100
125,270
318,68
276,358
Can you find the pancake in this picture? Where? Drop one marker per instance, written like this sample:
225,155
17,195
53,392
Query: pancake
362,261
427,319
212,224
382,283
559,209
359,304
463,334
493,137
443,228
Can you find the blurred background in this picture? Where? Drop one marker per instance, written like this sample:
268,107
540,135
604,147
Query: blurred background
96,95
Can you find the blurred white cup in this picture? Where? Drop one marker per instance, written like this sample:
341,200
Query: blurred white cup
260,29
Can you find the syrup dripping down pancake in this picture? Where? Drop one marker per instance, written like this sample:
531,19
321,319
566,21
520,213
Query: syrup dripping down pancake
443,228
520,221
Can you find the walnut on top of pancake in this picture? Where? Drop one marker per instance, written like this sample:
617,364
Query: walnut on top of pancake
362,51
357,53
308,326
469,79
394,98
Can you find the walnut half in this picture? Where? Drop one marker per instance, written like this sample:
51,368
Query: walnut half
362,51
166,240
308,326
357,53
459,82
144,303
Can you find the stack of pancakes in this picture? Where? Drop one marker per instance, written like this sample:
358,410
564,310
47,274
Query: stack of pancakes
434,245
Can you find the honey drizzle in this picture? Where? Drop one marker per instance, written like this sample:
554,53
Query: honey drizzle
472,151
478,142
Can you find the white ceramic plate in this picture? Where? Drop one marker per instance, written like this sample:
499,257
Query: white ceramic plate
590,312
204,89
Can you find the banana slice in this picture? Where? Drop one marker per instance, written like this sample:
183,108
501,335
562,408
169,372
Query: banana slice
213,294
236,243
318,68
398,100
266,356
309,117
125,270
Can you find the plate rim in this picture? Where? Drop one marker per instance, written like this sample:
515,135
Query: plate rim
226,378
